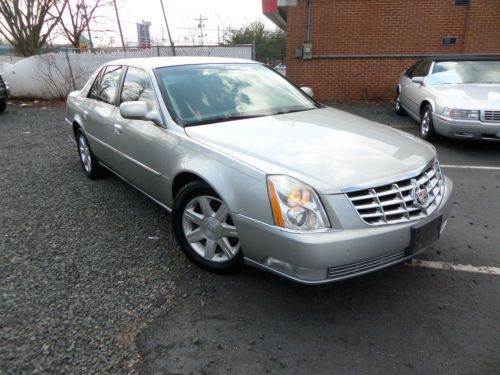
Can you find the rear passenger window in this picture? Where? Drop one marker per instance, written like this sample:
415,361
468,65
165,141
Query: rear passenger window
95,86
109,84
105,84
137,87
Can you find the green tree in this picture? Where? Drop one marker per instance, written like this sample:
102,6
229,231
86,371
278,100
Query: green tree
269,44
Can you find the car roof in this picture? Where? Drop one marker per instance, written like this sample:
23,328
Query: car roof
157,62
461,58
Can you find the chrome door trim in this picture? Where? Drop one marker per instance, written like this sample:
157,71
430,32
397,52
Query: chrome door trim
134,186
156,173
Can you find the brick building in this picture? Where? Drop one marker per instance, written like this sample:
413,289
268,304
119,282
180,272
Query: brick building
352,50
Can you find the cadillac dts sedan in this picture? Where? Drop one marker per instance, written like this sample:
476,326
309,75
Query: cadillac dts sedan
456,98
255,171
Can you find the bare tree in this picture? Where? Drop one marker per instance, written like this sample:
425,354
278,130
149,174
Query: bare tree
27,24
76,18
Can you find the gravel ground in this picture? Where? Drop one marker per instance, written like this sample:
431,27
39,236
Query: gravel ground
83,265
92,281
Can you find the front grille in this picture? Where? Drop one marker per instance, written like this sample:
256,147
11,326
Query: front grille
365,265
491,116
396,202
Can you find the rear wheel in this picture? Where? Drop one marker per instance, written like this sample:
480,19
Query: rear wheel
89,162
397,105
204,228
427,131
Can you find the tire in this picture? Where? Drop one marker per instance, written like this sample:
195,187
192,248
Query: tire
88,161
3,105
397,105
205,230
427,130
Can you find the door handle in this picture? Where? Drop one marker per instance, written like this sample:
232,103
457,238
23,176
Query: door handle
118,129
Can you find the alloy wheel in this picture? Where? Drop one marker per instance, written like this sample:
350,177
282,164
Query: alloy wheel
209,229
425,123
397,104
85,156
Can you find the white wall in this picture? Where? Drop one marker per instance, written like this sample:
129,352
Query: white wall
48,76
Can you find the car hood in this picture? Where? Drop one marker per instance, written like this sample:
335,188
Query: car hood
471,96
330,150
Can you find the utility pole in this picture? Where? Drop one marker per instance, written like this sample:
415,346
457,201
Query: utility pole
201,26
119,25
168,29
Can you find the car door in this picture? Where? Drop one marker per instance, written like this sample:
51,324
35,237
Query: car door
99,111
140,144
415,91
405,81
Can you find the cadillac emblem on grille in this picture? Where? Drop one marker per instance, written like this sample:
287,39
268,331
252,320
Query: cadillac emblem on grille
420,194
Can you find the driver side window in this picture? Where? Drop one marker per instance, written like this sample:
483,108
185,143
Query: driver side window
137,87
421,70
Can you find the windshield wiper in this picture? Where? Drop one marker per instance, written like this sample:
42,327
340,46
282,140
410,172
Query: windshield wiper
285,111
221,119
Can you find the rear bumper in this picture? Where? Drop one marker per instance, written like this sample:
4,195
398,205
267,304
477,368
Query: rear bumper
463,129
319,258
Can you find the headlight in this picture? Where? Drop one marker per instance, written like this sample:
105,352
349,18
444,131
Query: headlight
461,113
295,205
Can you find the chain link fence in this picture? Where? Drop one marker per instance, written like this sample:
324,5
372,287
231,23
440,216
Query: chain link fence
52,75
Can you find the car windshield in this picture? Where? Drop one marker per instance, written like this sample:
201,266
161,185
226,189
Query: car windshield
202,94
454,72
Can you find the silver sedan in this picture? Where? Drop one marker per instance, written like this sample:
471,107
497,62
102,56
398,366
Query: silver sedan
255,171
454,98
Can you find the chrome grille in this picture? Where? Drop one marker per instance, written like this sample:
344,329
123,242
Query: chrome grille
396,202
365,265
491,116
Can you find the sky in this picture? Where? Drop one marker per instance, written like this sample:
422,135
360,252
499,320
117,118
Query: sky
181,14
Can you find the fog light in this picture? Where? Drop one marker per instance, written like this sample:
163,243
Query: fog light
303,273
464,134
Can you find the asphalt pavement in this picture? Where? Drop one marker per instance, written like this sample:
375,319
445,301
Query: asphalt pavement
92,281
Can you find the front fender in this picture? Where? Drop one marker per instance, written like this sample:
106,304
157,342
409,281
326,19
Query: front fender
242,187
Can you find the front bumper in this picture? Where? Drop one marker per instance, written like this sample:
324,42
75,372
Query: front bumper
323,257
467,129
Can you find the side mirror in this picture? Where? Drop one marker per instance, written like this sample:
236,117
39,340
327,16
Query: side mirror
419,80
307,90
139,111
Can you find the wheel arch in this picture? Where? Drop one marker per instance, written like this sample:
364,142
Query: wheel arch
183,178
424,103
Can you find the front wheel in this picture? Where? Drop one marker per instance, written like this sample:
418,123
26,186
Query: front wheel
205,229
427,130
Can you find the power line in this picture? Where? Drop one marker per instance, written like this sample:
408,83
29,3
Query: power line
201,26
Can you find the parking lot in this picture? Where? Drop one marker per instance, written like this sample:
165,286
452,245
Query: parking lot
92,281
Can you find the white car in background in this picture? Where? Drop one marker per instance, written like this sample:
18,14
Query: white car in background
456,98
281,69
